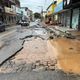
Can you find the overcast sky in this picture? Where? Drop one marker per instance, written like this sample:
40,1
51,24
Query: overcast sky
34,4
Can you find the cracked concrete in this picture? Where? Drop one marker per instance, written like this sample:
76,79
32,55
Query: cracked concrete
36,61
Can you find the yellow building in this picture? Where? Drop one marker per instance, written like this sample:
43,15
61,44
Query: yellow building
50,9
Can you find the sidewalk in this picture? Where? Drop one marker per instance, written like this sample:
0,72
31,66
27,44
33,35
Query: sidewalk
74,32
8,31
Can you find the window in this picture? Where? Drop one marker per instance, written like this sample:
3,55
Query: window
65,2
68,1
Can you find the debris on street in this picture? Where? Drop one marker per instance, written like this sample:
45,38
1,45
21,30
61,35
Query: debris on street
43,50
36,54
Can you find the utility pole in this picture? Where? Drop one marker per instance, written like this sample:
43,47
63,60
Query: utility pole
41,12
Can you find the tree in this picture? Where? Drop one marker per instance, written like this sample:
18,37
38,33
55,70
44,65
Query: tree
37,15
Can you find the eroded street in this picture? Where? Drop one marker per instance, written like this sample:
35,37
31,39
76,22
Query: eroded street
42,53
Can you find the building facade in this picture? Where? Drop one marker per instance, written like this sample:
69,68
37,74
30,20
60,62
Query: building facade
8,11
50,10
24,13
27,14
58,10
67,13
1,10
18,11
73,7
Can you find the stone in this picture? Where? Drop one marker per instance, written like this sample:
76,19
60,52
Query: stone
52,63
46,68
33,66
28,67
38,61
52,68
37,64
44,63
51,37
40,68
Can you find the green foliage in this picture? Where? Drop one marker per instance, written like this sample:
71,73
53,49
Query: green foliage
37,15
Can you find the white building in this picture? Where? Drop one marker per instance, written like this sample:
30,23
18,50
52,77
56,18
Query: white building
27,13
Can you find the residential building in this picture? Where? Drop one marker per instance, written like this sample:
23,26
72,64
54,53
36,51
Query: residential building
44,13
10,12
30,14
50,11
1,10
24,13
18,11
66,13
58,10
27,13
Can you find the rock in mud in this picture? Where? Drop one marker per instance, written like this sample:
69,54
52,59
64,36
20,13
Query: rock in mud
33,65
52,68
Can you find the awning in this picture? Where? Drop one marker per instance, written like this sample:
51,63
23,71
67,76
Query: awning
64,10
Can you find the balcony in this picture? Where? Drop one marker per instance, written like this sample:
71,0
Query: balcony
10,10
12,1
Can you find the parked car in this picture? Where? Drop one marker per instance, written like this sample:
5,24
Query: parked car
24,23
2,26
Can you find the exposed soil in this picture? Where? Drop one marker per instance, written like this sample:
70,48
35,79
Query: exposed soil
69,54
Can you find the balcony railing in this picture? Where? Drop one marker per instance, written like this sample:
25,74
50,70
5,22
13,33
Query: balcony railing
10,10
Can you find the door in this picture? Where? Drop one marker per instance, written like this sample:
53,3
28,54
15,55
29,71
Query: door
75,18
68,18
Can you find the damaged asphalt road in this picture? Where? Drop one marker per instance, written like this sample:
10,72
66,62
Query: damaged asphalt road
36,60
48,75
17,39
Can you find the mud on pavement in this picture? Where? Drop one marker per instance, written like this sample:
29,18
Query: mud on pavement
38,55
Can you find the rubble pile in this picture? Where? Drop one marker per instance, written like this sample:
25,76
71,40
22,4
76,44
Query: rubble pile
44,65
55,33
34,47
40,65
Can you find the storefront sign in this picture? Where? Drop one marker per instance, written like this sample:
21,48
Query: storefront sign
59,7
51,9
